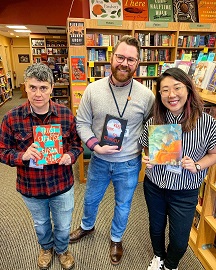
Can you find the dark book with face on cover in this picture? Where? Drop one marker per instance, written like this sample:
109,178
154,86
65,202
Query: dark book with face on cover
113,131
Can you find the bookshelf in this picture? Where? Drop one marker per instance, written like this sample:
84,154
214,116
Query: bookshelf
202,239
169,32
196,37
53,50
5,90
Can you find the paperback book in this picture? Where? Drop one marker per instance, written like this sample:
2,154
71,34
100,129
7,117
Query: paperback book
133,12
113,131
207,11
212,82
165,144
185,11
105,10
49,140
160,11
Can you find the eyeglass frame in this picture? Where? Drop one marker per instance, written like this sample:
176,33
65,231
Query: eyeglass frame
171,89
128,59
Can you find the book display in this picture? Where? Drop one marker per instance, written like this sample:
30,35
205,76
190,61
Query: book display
5,88
53,51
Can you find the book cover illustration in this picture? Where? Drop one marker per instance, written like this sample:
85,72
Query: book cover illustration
49,140
77,93
212,82
76,33
113,131
199,73
165,144
185,11
106,9
134,12
160,11
207,11
78,68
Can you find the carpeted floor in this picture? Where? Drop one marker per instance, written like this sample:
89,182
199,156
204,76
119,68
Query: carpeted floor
18,242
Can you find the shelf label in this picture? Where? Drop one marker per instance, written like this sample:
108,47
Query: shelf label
109,23
157,24
109,48
91,63
199,25
205,49
91,79
161,63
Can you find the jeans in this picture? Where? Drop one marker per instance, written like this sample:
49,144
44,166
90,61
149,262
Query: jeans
179,206
124,176
61,208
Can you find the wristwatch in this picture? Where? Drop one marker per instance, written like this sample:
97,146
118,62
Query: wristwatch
198,167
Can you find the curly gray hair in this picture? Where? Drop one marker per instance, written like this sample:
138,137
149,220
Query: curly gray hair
40,72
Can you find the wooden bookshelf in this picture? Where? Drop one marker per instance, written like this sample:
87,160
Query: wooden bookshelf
5,90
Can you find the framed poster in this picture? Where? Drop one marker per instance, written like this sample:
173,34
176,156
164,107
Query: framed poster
23,58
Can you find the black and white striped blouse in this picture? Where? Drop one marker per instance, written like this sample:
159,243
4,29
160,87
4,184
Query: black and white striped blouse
195,145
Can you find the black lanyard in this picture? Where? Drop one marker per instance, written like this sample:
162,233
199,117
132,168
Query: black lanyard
128,98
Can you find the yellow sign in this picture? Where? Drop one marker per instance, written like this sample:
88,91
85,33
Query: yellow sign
91,63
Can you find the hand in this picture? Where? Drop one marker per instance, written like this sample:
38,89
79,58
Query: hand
188,164
106,149
65,160
145,159
31,153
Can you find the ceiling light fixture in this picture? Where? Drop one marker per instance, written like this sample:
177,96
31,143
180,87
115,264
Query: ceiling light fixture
16,27
23,31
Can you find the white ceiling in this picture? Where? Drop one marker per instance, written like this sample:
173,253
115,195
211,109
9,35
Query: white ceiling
35,29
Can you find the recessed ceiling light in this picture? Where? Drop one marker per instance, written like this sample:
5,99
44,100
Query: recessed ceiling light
23,31
12,34
16,26
17,36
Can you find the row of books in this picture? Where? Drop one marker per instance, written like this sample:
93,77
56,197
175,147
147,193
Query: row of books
100,71
97,54
96,39
152,10
197,40
50,51
38,42
155,55
147,71
58,43
155,39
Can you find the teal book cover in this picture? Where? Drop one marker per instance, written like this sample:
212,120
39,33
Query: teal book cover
160,11
49,140
165,144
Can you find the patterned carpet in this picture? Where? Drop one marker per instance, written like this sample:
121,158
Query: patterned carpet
18,242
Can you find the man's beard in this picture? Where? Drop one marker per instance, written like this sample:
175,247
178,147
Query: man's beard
122,76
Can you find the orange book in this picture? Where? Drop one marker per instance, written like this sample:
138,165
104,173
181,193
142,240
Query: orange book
207,11
132,12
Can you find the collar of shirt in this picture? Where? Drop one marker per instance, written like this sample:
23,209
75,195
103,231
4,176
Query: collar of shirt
172,118
111,82
27,109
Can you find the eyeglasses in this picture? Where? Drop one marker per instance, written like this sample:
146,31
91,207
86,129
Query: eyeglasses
130,60
176,89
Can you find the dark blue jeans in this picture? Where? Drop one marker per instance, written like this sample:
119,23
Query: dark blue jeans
179,206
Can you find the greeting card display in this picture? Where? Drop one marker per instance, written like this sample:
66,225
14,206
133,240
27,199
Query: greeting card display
113,131
165,144
49,140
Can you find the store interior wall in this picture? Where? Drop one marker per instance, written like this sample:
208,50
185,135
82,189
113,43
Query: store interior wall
49,13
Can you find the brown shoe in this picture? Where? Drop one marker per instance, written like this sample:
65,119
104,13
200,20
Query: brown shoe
44,258
67,260
79,233
116,252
